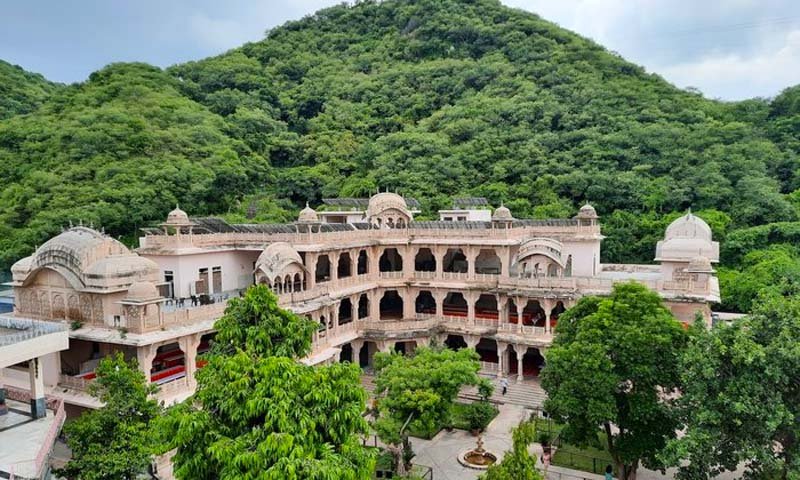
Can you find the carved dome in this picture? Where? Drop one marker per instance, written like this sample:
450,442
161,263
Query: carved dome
700,264
587,211
177,218
688,226
142,292
308,215
686,238
381,202
86,258
502,213
275,259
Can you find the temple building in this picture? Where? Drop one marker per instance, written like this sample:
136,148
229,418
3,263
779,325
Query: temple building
371,276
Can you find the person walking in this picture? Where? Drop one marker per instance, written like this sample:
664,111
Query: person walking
609,473
504,384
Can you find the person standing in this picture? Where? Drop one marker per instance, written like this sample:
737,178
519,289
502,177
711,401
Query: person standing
504,384
609,473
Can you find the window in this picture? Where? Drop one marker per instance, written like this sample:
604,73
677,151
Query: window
116,320
216,279
462,219
169,279
202,283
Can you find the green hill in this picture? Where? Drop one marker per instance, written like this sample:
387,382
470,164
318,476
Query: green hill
433,98
20,91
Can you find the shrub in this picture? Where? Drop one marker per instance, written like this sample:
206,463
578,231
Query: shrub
479,415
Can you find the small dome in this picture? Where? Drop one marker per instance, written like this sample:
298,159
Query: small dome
308,215
502,213
587,211
688,226
177,217
142,292
381,202
700,264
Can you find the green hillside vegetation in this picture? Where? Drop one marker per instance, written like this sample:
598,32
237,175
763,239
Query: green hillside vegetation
20,91
433,98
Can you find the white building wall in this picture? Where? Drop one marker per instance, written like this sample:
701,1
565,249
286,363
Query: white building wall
237,269
585,257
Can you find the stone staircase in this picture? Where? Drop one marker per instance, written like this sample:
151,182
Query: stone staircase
528,394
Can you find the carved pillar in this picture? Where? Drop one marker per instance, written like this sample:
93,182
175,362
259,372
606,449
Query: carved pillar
471,254
354,307
521,350
501,358
520,308
439,296
355,346
502,308
145,356
335,315
504,253
472,340
375,304
438,254
311,267
547,306
409,301
409,255
471,298
374,261
189,346
334,259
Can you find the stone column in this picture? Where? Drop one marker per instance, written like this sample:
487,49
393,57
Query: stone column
375,304
502,308
472,254
504,253
38,405
145,356
520,307
521,350
334,259
501,358
472,340
547,306
335,315
439,297
311,274
471,298
409,255
438,254
409,301
356,350
354,307
374,261
189,346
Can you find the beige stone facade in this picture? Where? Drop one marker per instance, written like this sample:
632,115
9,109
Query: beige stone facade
384,282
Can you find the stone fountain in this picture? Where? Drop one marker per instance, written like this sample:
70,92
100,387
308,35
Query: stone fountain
477,458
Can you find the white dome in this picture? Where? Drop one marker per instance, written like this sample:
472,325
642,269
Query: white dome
686,238
381,202
688,226
308,215
587,211
502,213
142,292
177,217
276,257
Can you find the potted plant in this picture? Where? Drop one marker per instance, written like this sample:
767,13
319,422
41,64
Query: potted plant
479,415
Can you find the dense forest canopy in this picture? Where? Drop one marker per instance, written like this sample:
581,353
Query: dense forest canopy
433,98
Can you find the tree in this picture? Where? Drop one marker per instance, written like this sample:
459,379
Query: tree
115,441
517,463
611,368
740,396
421,389
256,324
259,413
271,418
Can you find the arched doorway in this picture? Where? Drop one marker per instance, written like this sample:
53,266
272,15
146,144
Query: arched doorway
345,266
486,308
323,270
455,261
390,261
455,342
455,305
391,307
425,303
425,261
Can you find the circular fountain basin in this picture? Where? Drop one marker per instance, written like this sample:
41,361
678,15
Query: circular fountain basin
477,460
